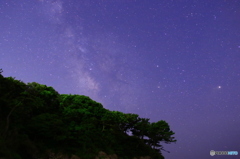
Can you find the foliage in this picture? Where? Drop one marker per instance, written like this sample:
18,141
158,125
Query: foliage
36,119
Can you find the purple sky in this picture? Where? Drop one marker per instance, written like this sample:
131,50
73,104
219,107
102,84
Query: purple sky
170,60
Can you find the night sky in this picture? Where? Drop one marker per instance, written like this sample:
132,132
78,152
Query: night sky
172,60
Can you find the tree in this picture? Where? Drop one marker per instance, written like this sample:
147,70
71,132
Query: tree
141,128
35,118
130,121
10,100
48,127
159,132
46,97
82,117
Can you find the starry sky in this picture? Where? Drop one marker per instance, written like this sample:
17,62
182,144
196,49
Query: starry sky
172,60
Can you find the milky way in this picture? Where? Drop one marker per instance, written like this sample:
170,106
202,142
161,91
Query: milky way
164,60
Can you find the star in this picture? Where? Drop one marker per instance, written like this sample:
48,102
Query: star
134,61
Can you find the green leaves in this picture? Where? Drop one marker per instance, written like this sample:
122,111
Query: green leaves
159,132
153,133
49,126
49,120
141,128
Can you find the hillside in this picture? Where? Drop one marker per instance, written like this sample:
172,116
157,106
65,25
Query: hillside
36,122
